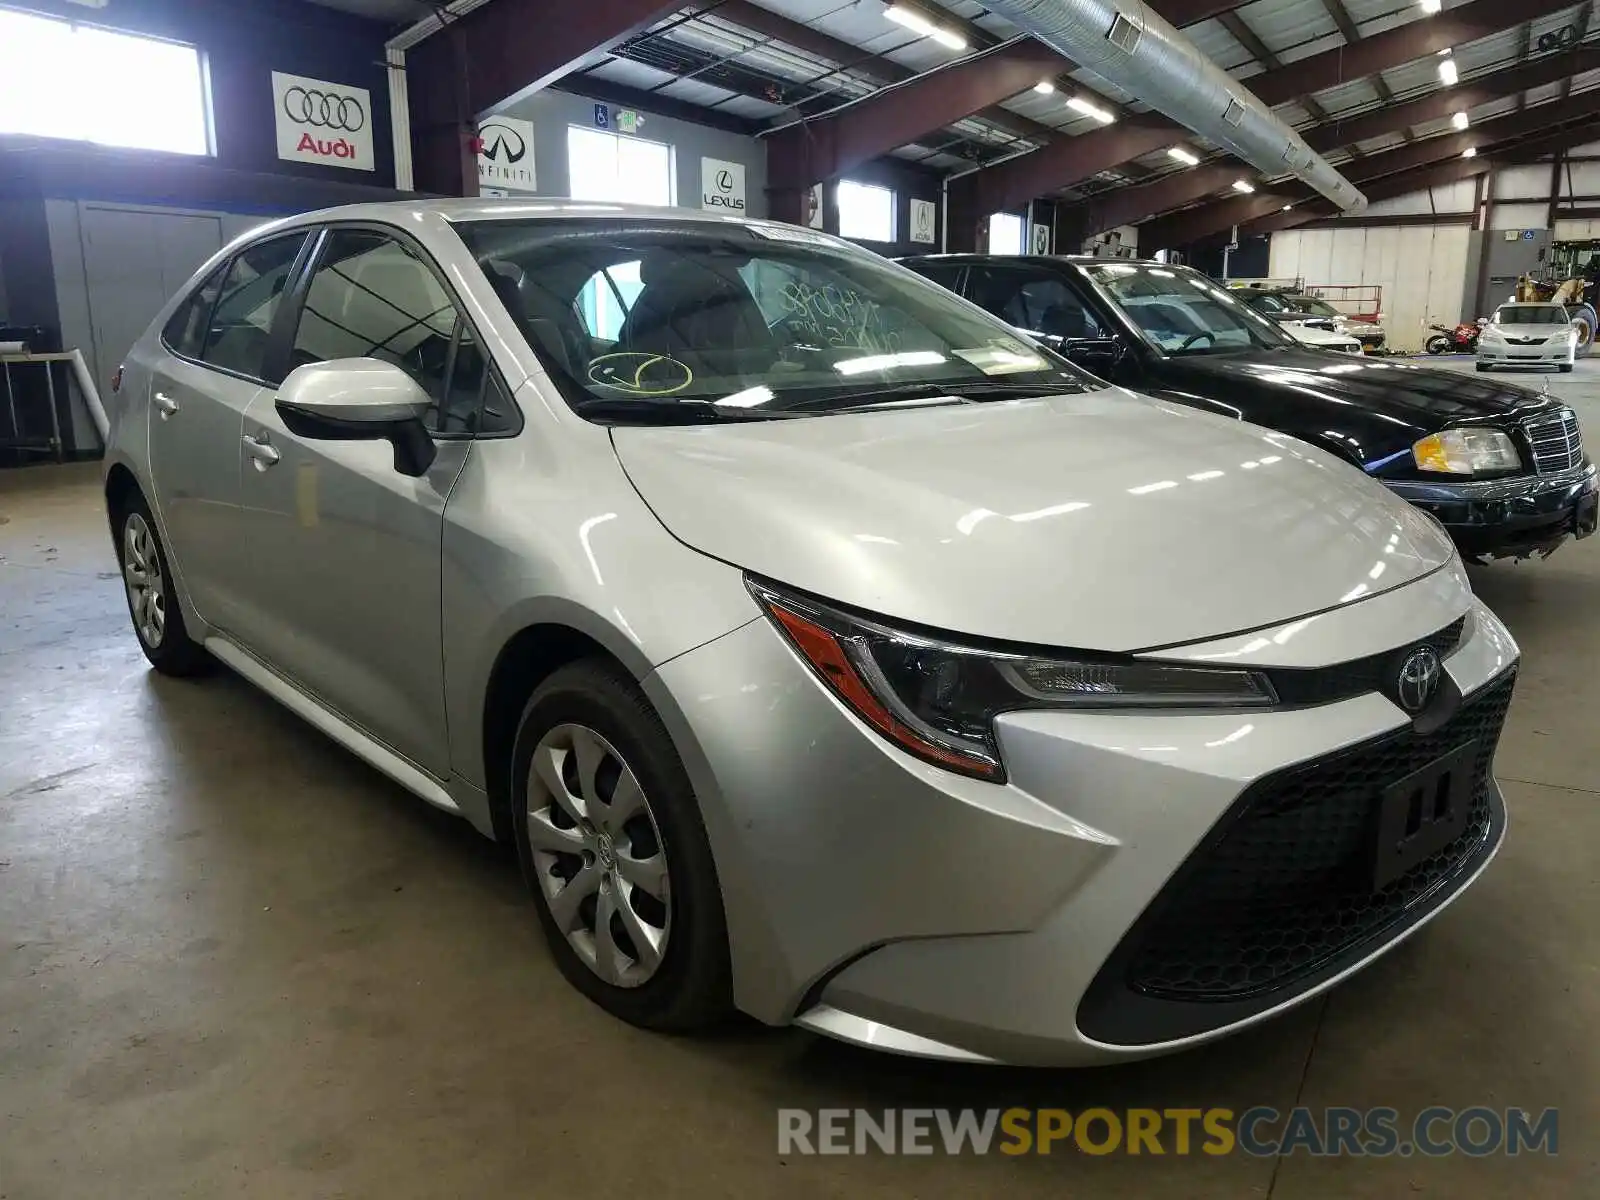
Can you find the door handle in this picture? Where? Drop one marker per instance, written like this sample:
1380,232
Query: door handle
263,452
166,404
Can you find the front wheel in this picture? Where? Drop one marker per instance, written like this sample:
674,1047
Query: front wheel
616,855
1437,344
152,602
1583,325
1566,368
1482,368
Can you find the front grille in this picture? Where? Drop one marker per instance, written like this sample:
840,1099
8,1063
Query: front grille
1283,886
1302,688
1556,441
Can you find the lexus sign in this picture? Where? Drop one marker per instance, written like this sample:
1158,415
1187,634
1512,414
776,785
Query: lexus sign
721,185
322,122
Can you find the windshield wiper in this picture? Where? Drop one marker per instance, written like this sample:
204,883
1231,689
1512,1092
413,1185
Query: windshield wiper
974,392
667,412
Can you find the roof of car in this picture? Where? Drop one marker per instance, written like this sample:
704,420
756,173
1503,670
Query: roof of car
1531,304
1026,258
489,208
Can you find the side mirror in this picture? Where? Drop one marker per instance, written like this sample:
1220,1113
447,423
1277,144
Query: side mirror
1099,356
360,400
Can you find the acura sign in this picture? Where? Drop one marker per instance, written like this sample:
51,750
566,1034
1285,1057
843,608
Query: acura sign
721,185
322,122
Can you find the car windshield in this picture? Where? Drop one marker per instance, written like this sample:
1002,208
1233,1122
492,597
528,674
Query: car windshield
1532,314
664,320
1182,312
1311,306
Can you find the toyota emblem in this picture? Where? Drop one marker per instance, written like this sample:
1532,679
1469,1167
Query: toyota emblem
1418,679
324,110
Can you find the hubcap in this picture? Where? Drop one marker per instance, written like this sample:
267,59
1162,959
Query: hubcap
598,855
141,573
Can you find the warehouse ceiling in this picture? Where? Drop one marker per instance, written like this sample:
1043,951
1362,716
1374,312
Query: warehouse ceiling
797,69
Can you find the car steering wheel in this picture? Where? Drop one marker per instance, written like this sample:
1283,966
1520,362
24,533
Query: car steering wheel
1195,337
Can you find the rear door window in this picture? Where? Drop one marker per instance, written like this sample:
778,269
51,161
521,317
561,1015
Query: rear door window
240,327
185,331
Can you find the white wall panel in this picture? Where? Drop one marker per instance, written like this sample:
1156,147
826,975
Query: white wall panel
1586,148
1523,183
1410,205
1421,269
1577,231
1520,216
1585,178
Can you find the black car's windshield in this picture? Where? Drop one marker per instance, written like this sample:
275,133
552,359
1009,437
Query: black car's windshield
1182,312
1531,314
689,320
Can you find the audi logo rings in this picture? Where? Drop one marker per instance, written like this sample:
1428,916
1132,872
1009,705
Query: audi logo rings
324,110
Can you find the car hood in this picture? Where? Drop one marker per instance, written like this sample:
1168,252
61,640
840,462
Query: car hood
1313,335
1404,397
1528,331
1101,521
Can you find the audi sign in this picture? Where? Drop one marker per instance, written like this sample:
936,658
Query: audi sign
322,122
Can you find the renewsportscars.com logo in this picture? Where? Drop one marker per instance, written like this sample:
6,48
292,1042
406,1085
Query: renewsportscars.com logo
1262,1132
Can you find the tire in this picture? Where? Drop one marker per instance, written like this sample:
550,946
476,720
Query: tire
152,605
1483,368
1585,322
1437,344
1566,368
590,712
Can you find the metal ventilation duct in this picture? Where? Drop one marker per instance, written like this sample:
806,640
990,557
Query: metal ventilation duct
1126,43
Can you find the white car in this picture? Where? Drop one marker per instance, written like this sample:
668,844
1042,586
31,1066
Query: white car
1321,339
828,651
1528,335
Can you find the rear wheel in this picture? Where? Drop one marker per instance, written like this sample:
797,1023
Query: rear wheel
152,603
615,853
1584,324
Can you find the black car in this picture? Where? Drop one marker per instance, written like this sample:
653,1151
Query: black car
1502,467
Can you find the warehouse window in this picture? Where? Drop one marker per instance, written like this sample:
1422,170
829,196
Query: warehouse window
66,80
610,166
1005,233
866,212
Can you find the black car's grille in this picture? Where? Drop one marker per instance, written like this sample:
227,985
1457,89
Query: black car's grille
1326,685
1556,440
1283,886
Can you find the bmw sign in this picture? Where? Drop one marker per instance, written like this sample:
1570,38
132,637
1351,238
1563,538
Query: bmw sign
322,122
721,185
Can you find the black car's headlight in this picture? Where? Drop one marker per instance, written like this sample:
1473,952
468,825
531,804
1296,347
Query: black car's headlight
1467,452
938,700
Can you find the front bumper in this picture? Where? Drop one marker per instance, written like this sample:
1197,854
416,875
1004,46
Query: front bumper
877,899
1516,517
1507,355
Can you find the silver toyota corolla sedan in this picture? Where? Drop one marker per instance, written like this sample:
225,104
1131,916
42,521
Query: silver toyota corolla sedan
828,650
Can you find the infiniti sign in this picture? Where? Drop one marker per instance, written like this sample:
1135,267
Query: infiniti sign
505,155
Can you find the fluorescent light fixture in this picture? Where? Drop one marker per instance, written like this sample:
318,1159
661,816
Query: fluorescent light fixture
1044,87
949,38
1447,72
1187,157
1288,208
1240,185
910,18
884,362
1079,104
1460,120
1470,152
1432,6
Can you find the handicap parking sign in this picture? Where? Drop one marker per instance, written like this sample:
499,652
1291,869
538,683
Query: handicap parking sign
602,117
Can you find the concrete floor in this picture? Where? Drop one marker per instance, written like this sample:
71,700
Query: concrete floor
234,961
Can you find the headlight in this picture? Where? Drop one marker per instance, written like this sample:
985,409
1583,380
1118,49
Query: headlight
938,700
1467,452
1566,338
1491,334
